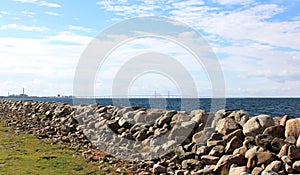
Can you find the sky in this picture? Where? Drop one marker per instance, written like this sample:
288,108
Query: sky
257,45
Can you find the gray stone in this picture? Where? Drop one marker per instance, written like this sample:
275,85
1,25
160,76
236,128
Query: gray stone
257,125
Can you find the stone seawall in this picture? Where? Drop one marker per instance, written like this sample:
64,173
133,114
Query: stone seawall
162,141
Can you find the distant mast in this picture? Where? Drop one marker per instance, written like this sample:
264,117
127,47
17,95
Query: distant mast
23,91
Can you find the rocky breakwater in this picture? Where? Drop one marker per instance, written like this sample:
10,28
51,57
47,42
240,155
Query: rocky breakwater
166,142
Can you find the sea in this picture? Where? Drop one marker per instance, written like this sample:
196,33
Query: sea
275,107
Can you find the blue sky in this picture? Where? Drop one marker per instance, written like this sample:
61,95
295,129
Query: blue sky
257,44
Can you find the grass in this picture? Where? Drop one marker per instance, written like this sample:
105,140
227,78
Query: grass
23,154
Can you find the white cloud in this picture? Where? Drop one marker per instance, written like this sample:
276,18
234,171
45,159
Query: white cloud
23,27
26,1
52,13
259,49
70,38
28,13
80,28
233,2
48,4
39,65
4,13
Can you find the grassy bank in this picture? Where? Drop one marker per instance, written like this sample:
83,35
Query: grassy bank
24,154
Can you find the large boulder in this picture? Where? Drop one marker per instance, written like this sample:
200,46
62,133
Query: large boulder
227,125
257,125
240,116
292,128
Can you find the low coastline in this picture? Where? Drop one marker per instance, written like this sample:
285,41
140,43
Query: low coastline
177,142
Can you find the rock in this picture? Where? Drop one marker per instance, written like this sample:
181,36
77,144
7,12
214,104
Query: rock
199,116
242,150
253,151
227,125
292,128
124,110
257,125
291,140
298,142
124,123
275,131
203,150
190,163
201,137
277,120
217,116
274,166
216,136
268,172
293,153
215,142
288,168
208,169
240,117
277,144
113,125
283,151
139,117
209,160
228,160
264,141
180,132
238,170
217,151
152,116
142,135
233,144
157,169
181,172
257,171
238,133
284,119
166,118
260,158
286,160
296,166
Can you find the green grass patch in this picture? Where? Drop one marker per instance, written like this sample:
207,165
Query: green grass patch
23,154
